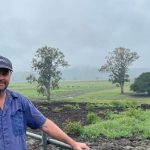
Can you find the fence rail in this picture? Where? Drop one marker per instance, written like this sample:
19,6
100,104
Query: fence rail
46,141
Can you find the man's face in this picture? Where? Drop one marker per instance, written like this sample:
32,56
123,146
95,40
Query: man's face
5,75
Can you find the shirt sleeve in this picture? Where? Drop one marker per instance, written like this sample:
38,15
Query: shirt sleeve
34,118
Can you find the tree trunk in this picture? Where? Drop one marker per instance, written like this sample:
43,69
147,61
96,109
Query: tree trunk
122,88
48,94
48,97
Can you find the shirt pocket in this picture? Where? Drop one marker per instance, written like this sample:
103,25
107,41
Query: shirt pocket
17,122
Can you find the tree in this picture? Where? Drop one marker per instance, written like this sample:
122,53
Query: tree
47,62
142,83
31,78
117,64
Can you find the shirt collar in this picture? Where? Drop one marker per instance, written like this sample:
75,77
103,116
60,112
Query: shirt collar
11,95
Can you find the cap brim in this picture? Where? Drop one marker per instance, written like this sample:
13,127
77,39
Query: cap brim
6,67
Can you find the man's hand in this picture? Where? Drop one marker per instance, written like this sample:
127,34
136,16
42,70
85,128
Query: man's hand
80,146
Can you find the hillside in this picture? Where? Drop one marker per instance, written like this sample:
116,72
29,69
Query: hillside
80,73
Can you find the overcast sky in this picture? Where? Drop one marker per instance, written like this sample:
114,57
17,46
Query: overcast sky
84,30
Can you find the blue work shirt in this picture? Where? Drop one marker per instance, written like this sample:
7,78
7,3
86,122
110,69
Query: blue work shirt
18,114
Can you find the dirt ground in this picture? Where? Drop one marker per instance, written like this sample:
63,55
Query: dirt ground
59,117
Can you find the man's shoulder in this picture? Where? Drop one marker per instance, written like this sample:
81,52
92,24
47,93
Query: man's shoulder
19,99
16,95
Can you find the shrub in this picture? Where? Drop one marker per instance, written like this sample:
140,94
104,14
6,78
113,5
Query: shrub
56,109
131,104
117,104
68,106
73,128
76,106
90,106
92,118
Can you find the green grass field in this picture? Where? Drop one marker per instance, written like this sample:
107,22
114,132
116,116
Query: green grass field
82,91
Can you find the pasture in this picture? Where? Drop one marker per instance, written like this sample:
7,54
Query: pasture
82,91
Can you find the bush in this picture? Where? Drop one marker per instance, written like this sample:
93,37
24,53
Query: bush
56,109
69,106
92,118
131,104
73,128
90,106
117,104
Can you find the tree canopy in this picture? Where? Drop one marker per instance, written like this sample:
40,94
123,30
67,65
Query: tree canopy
117,64
142,83
47,62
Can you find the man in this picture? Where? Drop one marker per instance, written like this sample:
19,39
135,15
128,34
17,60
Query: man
17,113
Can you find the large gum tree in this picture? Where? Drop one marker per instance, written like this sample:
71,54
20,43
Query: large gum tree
47,63
117,65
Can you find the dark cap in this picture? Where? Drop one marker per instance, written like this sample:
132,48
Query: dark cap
5,63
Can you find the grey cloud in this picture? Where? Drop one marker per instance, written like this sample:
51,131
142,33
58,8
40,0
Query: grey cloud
88,28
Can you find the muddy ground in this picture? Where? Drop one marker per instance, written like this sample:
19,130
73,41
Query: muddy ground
60,116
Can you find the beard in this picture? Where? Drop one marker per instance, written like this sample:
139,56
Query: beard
4,87
2,90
